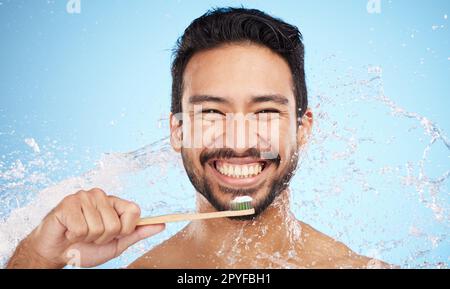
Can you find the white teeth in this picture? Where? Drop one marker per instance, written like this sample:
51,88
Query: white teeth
239,171
245,171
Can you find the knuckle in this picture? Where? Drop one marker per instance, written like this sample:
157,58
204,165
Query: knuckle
82,194
134,209
98,192
70,200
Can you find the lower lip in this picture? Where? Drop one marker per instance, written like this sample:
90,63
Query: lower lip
240,182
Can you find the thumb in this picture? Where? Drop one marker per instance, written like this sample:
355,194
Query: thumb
141,232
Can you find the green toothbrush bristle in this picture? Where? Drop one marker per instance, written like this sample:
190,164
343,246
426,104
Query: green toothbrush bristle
237,205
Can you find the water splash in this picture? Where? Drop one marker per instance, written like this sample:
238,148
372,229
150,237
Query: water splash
110,174
395,209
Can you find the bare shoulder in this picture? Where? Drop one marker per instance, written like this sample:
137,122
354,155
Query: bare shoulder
162,255
326,252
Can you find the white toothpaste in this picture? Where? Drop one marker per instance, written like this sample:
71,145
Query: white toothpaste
242,199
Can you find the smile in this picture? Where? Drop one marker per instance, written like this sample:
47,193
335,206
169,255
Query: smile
240,172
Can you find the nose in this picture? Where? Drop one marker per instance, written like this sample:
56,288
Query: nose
241,133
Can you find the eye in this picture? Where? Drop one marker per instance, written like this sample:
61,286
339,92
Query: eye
268,111
212,111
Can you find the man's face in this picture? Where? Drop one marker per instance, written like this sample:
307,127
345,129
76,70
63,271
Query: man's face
239,130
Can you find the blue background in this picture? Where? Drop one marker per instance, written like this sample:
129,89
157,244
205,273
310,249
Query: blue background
99,81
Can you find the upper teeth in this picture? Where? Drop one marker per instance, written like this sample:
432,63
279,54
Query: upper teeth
239,171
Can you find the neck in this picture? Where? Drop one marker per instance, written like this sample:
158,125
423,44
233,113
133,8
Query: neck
275,226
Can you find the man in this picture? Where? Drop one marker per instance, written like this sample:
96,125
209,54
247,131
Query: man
230,62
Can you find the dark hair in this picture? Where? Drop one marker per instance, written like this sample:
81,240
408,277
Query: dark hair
233,25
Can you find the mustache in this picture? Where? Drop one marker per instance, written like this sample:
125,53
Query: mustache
227,153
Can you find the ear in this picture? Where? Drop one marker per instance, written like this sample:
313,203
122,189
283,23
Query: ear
176,131
305,128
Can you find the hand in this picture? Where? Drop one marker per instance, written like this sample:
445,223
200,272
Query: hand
87,228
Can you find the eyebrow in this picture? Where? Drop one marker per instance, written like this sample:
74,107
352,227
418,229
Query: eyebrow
276,98
196,99
270,98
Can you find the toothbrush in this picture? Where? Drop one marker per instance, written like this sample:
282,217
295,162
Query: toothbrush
240,206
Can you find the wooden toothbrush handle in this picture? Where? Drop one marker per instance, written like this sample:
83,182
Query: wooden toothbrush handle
193,216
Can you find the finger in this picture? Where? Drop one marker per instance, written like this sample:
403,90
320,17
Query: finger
94,222
71,217
111,222
128,212
140,233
